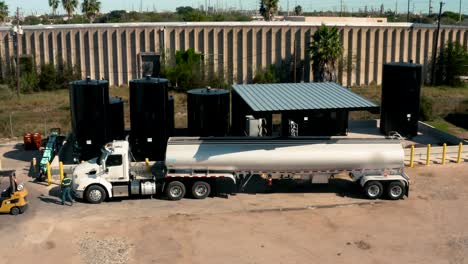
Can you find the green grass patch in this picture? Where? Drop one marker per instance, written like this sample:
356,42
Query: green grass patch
440,124
448,127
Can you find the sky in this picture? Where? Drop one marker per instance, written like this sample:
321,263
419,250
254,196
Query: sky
29,7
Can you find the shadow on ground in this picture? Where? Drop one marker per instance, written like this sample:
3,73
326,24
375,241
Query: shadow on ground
55,192
50,200
54,196
341,187
18,153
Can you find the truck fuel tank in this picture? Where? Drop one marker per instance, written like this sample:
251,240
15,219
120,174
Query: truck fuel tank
138,187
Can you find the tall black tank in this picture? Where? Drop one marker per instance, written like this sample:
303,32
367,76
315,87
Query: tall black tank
208,112
401,90
116,120
171,116
89,104
149,117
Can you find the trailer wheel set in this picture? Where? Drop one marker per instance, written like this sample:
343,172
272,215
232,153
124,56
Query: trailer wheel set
394,190
176,190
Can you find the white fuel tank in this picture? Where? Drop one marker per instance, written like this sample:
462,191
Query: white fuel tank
267,154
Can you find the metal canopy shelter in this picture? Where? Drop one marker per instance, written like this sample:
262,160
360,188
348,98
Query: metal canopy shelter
320,109
301,96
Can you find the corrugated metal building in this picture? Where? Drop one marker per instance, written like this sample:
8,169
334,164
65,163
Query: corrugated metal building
318,109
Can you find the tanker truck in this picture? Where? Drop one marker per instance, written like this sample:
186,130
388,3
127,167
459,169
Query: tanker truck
194,166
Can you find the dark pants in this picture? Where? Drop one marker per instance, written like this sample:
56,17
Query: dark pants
66,193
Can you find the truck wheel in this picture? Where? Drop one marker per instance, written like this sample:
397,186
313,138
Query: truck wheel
14,211
395,190
201,190
175,190
95,194
373,189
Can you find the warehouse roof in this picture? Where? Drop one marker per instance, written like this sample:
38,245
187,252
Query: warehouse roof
301,96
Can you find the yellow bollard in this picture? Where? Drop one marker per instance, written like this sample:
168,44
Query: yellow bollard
34,165
49,174
412,157
444,151
61,171
460,147
147,164
428,155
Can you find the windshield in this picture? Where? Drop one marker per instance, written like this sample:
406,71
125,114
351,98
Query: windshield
102,157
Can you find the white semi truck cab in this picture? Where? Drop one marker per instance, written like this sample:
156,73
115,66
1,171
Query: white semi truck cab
112,175
195,165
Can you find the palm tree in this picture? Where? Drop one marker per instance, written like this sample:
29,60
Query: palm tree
3,11
268,8
298,10
54,4
70,6
91,9
325,51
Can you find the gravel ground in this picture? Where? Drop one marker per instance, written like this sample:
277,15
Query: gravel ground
114,250
323,224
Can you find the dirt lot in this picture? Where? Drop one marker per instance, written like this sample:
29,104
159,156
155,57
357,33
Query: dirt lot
331,224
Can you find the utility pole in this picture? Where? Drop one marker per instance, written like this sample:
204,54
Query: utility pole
430,7
460,12
341,8
407,16
434,48
396,7
295,61
17,40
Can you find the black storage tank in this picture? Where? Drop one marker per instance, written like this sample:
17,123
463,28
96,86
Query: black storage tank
116,120
401,90
208,112
171,116
149,117
89,104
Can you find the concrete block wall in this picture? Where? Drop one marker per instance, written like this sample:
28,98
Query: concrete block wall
111,51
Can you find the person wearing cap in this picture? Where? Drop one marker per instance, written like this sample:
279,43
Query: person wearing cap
66,191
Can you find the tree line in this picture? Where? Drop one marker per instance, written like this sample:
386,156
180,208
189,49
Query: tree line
268,9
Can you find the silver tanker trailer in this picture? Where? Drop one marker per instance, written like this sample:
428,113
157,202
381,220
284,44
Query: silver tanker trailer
192,163
196,165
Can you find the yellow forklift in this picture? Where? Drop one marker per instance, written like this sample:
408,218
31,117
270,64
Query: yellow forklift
13,199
